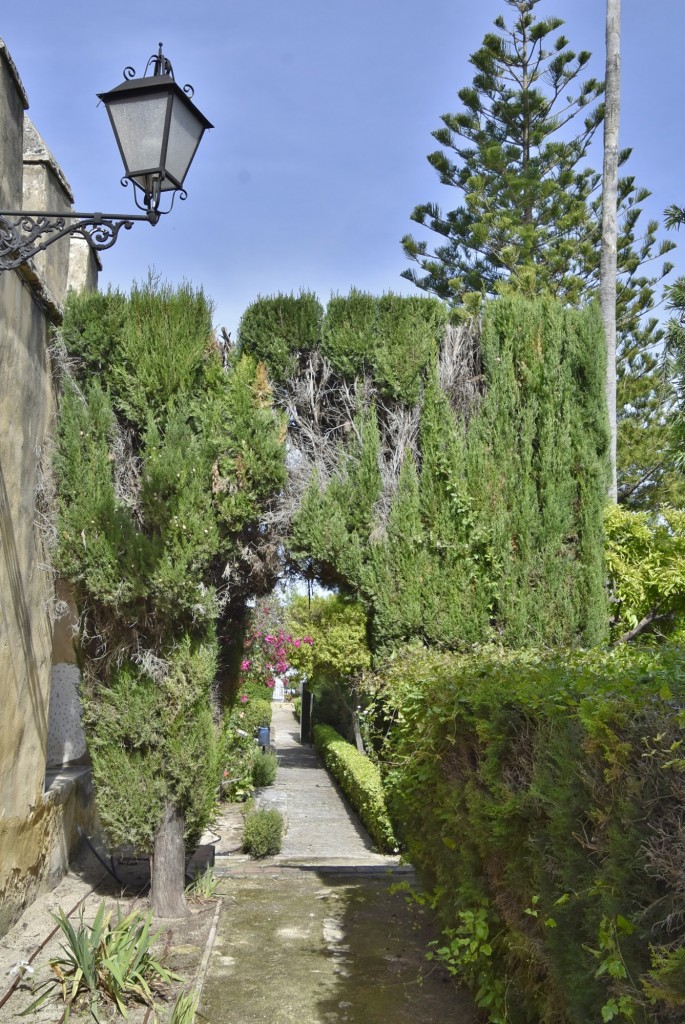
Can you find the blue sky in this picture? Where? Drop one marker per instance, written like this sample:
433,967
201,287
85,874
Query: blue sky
322,114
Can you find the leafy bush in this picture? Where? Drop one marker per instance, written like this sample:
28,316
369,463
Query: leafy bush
239,750
541,801
250,715
240,753
645,555
360,780
297,708
263,832
264,770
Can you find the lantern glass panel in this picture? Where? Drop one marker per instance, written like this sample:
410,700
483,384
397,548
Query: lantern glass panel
139,124
185,132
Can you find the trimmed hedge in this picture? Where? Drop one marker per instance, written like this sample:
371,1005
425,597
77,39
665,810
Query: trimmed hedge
542,801
360,780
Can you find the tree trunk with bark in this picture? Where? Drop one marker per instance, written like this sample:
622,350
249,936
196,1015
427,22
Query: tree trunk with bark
168,865
609,229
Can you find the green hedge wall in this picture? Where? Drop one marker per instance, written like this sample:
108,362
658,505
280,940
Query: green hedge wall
492,529
542,801
360,780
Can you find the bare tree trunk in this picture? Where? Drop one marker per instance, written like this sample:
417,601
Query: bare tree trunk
168,865
607,286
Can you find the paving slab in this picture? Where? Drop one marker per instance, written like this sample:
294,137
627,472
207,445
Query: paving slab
322,828
301,947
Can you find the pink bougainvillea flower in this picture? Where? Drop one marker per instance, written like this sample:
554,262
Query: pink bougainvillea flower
297,643
245,666
270,683
307,640
243,698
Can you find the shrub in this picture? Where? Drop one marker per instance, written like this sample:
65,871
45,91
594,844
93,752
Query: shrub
254,712
540,799
360,780
263,832
274,329
297,708
264,770
240,753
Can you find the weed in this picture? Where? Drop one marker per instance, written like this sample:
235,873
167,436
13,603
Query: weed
203,886
185,1008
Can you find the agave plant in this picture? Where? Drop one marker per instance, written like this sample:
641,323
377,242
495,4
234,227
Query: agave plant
114,960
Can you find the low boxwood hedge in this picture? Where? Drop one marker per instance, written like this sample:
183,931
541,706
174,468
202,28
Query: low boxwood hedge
360,781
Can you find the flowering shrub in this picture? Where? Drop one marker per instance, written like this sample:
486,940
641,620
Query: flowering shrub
267,652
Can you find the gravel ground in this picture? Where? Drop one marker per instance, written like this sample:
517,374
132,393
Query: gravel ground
81,891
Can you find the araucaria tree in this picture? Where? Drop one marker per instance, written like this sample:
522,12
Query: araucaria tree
530,215
525,190
169,459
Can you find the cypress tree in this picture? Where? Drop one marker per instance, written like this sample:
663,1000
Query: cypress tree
537,466
457,600
491,524
397,572
166,462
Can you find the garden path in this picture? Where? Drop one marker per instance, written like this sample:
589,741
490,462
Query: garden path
322,828
316,935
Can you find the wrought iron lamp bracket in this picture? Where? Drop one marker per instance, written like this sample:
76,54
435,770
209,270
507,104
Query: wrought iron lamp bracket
23,234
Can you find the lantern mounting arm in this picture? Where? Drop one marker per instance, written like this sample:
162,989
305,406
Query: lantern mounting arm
25,233
158,129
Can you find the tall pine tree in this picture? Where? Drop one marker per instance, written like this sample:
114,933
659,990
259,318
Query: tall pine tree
530,217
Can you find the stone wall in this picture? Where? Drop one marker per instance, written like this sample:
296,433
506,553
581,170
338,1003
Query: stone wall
37,821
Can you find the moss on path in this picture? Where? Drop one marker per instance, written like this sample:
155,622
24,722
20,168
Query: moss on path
313,948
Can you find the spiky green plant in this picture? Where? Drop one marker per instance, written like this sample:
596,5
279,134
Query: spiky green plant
112,961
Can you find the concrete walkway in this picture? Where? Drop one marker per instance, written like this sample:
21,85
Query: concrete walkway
317,935
322,830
